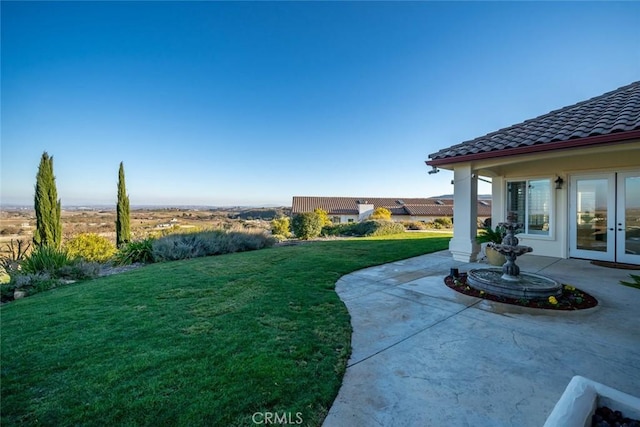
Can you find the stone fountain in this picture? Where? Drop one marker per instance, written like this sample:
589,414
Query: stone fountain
509,281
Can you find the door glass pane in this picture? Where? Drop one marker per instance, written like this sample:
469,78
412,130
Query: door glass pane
591,222
632,215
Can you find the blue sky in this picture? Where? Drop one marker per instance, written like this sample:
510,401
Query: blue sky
246,103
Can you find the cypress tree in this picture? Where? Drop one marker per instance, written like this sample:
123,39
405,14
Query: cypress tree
123,229
47,205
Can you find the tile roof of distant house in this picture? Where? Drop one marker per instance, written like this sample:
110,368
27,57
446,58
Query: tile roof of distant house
611,117
398,206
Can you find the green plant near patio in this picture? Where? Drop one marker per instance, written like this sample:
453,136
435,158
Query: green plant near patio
634,283
206,341
491,235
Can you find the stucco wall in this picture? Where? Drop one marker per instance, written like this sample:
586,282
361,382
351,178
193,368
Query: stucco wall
616,158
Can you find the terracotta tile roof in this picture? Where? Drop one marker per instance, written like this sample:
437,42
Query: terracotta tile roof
612,114
398,206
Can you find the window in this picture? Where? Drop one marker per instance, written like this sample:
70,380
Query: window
530,200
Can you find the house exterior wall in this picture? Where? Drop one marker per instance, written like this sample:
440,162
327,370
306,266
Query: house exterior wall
343,219
555,244
563,164
364,211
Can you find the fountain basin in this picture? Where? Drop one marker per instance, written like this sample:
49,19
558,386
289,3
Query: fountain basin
527,285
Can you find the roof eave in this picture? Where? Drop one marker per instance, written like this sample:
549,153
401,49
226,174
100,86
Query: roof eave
558,145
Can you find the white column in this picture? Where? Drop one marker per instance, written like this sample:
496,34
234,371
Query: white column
497,200
463,245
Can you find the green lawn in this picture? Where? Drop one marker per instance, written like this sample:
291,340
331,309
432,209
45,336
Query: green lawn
208,341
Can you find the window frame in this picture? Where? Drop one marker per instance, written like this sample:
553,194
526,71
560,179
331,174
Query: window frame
550,235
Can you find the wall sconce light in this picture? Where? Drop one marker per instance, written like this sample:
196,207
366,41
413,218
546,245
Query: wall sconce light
559,181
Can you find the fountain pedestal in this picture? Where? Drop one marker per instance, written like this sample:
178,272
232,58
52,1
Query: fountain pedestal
510,271
508,281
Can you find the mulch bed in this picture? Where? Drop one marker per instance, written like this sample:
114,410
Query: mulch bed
571,298
616,265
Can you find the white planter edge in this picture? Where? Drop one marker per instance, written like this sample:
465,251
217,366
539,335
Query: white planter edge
581,398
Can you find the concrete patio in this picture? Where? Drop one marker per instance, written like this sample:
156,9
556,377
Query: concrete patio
425,355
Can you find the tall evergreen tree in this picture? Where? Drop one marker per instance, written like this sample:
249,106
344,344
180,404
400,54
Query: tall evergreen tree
47,205
123,229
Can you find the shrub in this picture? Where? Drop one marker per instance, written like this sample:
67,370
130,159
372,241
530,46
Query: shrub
134,252
242,241
281,226
79,270
45,259
324,216
379,228
364,229
30,283
381,213
6,292
177,246
444,222
338,229
215,242
414,225
90,247
33,283
307,225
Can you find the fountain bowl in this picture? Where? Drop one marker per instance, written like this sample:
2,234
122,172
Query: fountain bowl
527,285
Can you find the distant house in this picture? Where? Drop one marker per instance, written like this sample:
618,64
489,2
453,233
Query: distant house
354,209
572,177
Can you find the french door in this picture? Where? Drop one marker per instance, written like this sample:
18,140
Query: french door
604,222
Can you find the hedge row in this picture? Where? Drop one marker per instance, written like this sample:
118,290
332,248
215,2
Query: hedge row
364,229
